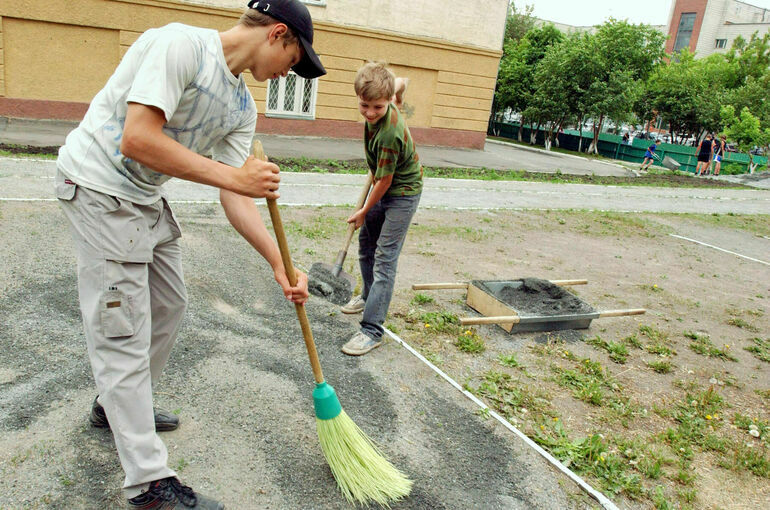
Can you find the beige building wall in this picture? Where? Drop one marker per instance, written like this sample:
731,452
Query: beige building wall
478,23
54,60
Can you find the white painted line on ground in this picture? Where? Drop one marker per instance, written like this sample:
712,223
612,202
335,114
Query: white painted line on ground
721,249
598,496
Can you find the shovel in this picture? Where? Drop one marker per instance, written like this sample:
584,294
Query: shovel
329,281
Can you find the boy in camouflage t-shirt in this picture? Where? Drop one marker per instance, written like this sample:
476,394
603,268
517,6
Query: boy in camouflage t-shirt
385,217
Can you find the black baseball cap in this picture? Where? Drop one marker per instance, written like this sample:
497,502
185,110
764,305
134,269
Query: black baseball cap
297,17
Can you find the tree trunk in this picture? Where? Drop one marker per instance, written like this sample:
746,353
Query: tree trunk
580,130
597,129
533,134
521,128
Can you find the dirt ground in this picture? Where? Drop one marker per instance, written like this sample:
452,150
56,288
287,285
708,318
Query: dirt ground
48,452
630,261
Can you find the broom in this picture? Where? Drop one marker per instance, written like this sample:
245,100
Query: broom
363,474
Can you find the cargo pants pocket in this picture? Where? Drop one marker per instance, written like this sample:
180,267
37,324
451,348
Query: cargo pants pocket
116,312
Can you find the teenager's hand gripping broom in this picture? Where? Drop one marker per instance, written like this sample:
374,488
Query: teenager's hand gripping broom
363,474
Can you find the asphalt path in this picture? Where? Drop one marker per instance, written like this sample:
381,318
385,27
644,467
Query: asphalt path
25,179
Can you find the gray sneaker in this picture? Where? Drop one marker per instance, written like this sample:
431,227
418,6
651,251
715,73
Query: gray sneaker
355,305
360,344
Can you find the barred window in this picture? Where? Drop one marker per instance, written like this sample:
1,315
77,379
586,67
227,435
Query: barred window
291,96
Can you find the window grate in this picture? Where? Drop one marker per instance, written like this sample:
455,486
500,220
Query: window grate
291,96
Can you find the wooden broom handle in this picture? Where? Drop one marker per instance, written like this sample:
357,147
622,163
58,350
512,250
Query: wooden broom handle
283,247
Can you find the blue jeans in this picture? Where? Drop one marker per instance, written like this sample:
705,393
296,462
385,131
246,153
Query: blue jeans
379,245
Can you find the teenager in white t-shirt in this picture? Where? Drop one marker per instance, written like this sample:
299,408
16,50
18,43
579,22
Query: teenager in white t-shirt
176,106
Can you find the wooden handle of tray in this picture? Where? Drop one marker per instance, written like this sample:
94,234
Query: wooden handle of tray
503,319
283,246
437,286
621,313
464,285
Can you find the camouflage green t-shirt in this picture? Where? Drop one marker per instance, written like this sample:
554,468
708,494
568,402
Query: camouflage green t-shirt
390,150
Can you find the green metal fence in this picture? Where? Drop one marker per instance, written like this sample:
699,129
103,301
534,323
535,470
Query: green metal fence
612,146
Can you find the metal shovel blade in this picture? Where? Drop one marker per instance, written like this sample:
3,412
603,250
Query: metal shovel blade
323,283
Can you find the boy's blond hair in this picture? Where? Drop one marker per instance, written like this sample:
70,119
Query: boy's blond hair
254,18
375,81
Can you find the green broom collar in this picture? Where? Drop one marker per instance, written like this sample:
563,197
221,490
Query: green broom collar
327,405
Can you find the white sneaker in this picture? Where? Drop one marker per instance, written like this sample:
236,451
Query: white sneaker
355,305
360,344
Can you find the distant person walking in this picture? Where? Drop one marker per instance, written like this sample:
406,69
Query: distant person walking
705,148
719,151
649,156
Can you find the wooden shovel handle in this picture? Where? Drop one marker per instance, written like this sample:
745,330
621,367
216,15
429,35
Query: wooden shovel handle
359,205
283,247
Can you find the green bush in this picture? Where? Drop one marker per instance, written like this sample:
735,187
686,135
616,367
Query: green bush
733,169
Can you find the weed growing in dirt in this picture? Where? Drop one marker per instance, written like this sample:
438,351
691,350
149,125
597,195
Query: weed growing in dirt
702,344
592,455
508,360
760,349
618,351
740,323
422,299
661,367
633,340
509,397
754,426
659,341
439,322
469,341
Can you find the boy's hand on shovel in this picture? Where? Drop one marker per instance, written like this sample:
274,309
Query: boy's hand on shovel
357,218
297,294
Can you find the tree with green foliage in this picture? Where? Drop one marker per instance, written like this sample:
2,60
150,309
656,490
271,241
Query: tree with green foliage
628,54
515,79
677,92
744,130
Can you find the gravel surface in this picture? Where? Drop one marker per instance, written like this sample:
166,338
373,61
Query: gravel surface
240,380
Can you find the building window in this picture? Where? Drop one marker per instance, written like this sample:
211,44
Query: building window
684,32
721,43
291,96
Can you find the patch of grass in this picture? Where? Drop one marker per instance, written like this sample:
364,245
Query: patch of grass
702,344
760,349
469,341
320,227
661,366
617,351
740,323
587,382
590,455
508,360
748,424
439,322
507,396
422,299
753,460
180,465
633,340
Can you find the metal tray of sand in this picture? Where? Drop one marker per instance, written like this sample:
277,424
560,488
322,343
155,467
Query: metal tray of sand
528,304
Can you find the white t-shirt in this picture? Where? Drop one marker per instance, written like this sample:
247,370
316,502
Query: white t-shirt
181,70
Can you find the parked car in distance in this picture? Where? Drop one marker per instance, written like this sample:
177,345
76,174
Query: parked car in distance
730,147
758,151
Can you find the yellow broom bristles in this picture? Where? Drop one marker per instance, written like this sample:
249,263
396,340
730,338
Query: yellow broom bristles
362,472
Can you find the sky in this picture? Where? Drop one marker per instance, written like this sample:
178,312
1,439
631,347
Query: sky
594,12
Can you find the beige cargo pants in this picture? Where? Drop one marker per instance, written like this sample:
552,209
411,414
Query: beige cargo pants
132,299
